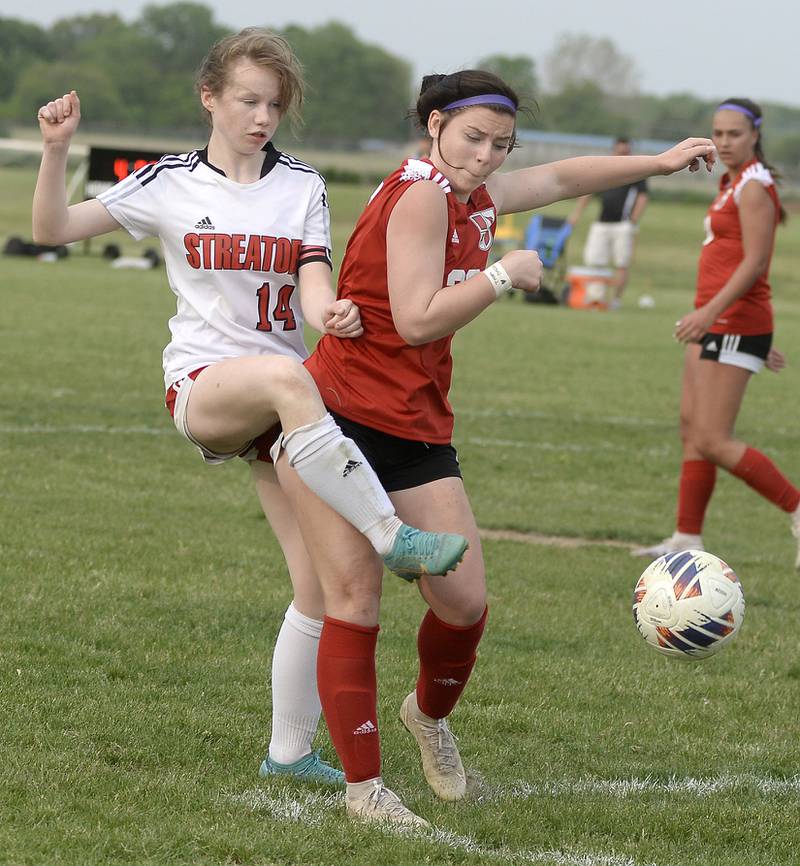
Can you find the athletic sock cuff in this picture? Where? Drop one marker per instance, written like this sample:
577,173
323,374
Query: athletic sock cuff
304,624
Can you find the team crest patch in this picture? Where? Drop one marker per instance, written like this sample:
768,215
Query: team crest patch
483,220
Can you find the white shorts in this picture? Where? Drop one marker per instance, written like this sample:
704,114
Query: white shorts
183,389
609,243
176,401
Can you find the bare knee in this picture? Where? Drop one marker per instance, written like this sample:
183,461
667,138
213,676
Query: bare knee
353,596
285,379
709,445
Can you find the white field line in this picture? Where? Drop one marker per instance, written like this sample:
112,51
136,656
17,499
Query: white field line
622,788
312,808
52,430
531,444
635,422
539,445
481,441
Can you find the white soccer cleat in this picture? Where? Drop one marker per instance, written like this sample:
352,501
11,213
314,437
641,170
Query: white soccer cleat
441,762
677,541
373,801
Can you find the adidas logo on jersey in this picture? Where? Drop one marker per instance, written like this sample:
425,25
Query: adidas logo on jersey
367,728
454,239
712,346
351,465
205,224
447,681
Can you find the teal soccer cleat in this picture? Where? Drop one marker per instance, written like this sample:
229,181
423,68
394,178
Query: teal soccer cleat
309,769
416,553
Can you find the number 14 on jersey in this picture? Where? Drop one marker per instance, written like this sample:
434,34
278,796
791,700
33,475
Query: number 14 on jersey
281,312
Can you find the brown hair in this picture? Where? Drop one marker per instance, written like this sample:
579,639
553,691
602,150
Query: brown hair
752,111
438,91
266,50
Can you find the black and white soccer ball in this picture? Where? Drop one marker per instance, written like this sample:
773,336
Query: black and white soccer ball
688,604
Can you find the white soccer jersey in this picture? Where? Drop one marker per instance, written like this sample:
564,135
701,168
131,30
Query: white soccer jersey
232,252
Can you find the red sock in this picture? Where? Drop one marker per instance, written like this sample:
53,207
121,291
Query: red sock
760,473
348,693
446,659
694,492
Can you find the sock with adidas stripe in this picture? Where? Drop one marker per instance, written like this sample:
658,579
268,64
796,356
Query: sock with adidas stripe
446,658
334,467
348,691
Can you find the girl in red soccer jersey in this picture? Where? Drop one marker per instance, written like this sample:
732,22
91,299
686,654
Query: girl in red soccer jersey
246,237
416,266
729,333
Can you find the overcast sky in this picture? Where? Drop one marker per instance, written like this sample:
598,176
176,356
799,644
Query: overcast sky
677,45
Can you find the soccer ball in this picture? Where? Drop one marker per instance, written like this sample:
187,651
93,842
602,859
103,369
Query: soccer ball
688,604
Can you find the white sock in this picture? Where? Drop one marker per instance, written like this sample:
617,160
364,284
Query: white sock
295,701
357,790
333,467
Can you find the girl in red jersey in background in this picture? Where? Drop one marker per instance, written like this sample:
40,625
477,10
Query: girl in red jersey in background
729,333
416,267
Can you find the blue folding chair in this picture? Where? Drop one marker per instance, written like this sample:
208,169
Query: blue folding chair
548,236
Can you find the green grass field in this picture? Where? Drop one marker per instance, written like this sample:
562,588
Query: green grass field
142,592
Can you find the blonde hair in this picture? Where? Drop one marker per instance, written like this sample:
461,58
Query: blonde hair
266,50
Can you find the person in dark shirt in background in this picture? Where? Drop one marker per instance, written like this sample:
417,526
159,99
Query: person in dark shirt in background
612,236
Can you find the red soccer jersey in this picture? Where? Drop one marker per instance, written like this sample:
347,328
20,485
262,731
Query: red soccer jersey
378,379
723,252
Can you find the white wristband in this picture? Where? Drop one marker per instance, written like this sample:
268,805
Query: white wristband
499,278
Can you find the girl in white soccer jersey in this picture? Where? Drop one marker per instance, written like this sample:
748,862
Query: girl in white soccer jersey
246,239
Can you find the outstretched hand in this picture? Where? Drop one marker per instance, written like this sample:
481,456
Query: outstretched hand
59,119
691,153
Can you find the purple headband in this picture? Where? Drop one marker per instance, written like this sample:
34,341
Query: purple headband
483,99
732,106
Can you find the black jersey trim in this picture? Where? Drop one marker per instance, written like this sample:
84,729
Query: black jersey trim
151,172
319,258
295,165
270,160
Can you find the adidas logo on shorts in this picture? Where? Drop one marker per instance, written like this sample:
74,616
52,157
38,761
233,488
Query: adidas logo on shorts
205,224
367,728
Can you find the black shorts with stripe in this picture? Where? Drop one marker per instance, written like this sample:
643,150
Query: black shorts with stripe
748,351
401,464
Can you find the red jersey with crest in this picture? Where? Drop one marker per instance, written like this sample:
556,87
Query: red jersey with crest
378,379
723,252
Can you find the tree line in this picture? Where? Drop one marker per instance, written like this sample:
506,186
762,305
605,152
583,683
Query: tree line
138,75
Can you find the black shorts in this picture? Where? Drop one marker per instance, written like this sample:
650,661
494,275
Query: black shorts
738,350
401,463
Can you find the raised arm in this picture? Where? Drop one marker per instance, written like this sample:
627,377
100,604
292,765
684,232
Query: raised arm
54,222
415,247
540,185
